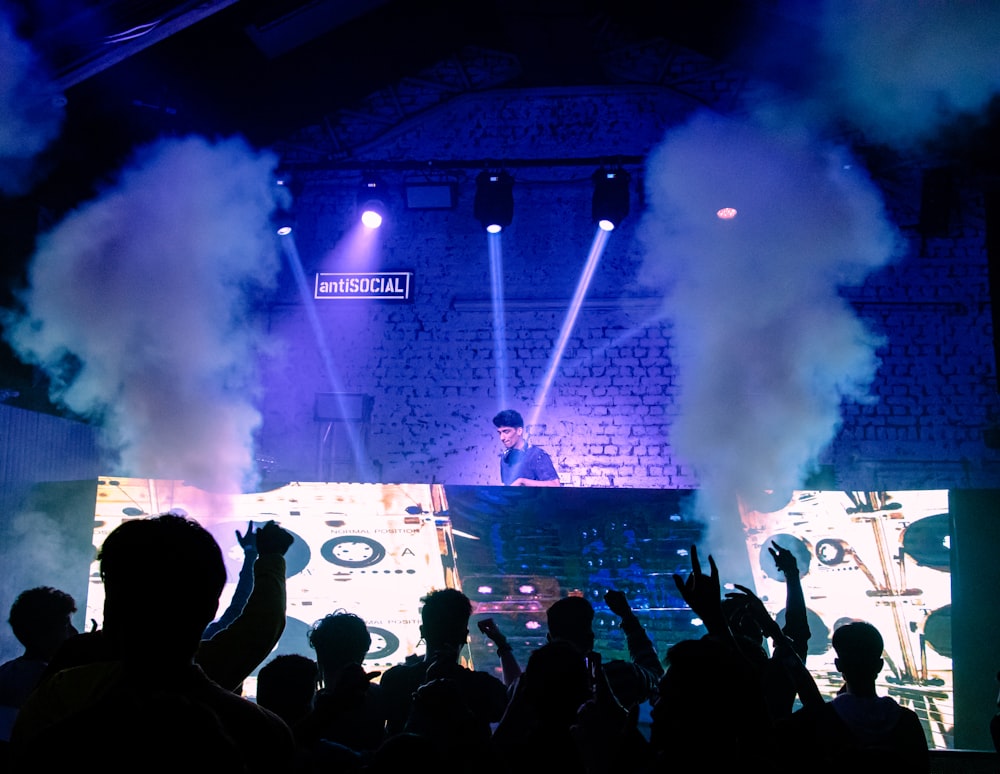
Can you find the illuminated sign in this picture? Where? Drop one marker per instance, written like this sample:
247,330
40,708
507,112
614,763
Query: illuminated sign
365,286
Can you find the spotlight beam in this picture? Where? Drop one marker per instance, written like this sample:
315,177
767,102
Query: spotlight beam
499,320
290,249
596,251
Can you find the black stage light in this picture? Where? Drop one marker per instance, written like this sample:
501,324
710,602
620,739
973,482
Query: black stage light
609,205
284,222
371,202
494,203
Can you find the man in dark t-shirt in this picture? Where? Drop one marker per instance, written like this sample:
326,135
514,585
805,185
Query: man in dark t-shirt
522,464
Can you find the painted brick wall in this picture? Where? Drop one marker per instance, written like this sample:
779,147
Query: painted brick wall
437,369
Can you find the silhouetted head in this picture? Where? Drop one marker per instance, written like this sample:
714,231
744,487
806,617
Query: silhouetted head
709,699
444,620
162,579
859,649
41,620
746,630
286,685
339,638
741,620
572,619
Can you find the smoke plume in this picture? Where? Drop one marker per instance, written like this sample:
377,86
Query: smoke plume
140,310
767,349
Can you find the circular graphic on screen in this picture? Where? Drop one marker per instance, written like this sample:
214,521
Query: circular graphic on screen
296,557
937,630
928,541
353,551
831,551
384,643
798,547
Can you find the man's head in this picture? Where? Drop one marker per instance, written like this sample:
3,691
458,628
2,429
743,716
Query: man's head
41,620
572,619
444,620
339,638
286,685
859,651
163,576
510,426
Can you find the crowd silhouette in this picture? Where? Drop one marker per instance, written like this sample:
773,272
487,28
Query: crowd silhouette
159,687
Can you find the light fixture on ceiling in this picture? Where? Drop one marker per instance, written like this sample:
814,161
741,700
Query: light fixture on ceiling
494,203
283,216
284,222
610,203
371,202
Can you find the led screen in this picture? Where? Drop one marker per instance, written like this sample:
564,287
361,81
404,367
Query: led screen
375,549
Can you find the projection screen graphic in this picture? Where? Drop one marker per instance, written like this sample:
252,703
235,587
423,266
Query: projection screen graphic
375,549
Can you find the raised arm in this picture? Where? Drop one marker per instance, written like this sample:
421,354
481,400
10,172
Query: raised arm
244,586
508,661
796,621
234,652
783,648
641,649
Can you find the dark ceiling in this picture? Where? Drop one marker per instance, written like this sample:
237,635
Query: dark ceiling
131,70
265,68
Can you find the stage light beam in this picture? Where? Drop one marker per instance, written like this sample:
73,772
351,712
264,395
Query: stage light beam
593,259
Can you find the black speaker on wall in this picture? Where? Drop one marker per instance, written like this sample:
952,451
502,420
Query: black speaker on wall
343,407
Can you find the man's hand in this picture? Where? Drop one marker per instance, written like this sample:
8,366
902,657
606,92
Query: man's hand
698,587
784,560
249,540
618,602
488,627
273,539
703,593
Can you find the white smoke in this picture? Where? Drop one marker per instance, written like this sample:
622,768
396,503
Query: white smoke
765,347
38,550
139,309
903,70
767,350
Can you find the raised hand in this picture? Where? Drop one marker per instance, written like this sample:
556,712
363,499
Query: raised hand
698,586
618,602
488,627
702,592
511,669
784,560
273,539
249,540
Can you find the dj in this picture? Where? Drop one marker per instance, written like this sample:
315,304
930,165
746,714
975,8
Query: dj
522,464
